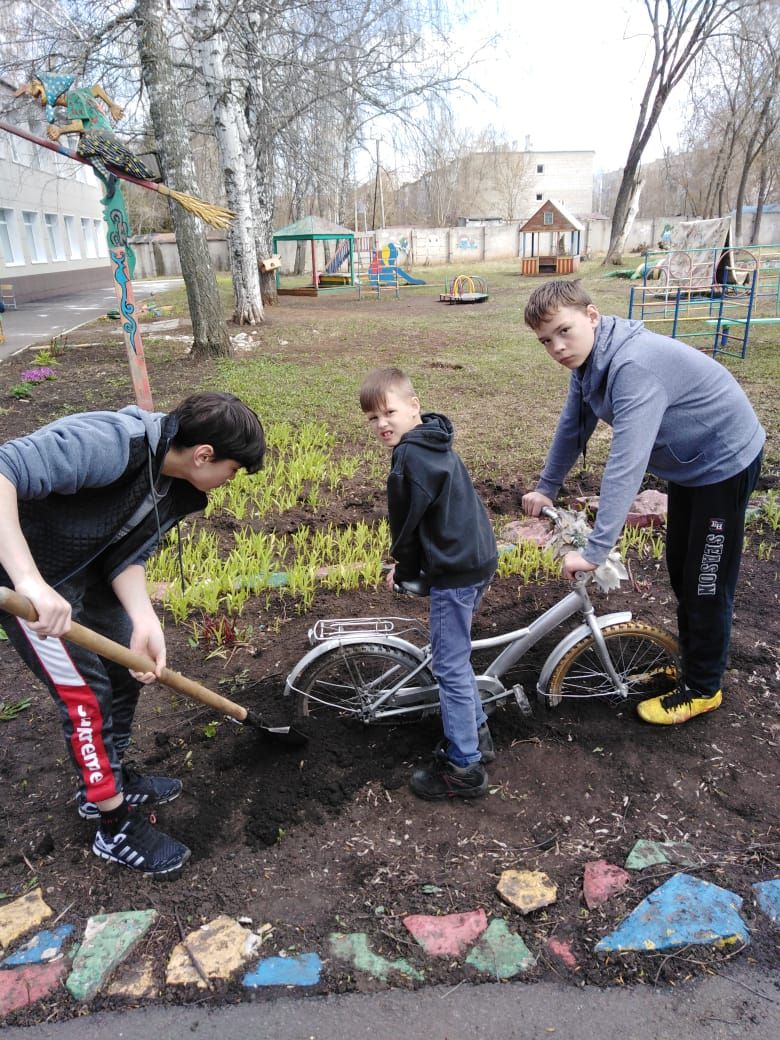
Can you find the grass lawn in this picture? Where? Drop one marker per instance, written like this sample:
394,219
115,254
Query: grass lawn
479,364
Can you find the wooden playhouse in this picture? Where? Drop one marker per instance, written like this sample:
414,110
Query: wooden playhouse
551,241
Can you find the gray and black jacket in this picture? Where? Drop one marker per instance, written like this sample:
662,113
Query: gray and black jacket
87,486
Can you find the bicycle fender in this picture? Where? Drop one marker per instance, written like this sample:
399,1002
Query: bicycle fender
366,639
570,640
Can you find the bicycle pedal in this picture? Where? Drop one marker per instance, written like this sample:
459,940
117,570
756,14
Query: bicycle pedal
521,700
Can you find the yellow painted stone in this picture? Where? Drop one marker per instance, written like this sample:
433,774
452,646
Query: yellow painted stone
221,947
22,916
526,889
135,981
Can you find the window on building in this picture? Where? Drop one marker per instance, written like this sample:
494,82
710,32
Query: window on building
54,231
539,196
9,238
89,237
549,217
32,232
100,237
540,167
72,235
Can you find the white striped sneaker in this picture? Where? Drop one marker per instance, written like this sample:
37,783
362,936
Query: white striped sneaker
141,847
138,790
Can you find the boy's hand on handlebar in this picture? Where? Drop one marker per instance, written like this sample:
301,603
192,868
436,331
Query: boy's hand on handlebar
574,563
534,502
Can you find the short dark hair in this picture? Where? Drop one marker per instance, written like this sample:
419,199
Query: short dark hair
546,299
231,428
380,382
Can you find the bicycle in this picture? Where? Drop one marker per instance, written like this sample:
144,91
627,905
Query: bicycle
365,669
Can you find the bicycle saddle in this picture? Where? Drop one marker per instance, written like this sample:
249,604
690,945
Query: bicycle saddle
416,587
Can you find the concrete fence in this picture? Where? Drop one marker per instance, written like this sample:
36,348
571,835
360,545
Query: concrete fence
157,255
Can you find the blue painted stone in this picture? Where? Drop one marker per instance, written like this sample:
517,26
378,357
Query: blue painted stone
43,947
683,911
303,970
768,898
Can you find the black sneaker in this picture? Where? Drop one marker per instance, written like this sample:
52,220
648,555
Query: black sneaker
486,747
141,847
443,779
138,790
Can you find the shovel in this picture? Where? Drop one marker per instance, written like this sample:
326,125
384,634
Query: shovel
21,607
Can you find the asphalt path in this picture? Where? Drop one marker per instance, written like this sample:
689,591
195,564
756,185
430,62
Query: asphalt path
38,322
742,1002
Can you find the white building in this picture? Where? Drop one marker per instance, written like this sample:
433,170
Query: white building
498,186
52,233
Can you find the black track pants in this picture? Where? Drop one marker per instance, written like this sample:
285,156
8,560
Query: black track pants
704,535
96,698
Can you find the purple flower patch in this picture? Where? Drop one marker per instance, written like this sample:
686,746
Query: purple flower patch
38,375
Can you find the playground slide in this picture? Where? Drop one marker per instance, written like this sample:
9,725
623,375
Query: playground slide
404,276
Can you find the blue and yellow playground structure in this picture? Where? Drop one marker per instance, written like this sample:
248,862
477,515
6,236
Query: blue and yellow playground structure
717,293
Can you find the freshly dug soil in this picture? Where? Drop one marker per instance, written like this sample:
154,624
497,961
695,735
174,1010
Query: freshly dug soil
329,837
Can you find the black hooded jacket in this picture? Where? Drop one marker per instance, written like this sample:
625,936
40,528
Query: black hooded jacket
438,524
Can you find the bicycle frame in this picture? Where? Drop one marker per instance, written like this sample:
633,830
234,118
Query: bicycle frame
331,635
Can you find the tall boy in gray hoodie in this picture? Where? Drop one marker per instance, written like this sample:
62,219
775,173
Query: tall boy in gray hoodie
682,416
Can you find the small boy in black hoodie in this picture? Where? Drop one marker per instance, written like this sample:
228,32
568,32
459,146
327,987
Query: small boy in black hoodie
441,532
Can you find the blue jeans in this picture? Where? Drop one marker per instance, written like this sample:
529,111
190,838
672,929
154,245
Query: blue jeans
461,707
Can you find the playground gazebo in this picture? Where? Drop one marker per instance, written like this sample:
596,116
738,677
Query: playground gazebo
551,241
316,229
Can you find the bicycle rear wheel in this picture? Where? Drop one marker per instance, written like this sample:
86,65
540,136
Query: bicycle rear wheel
646,658
348,679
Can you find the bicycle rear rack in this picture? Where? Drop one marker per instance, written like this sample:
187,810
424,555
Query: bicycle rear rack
332,628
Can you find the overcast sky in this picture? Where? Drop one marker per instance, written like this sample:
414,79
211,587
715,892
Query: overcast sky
568,73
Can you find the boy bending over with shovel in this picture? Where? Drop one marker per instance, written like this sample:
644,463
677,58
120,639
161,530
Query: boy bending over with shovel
84,502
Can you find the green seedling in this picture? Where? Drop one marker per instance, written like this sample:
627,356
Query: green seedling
10,709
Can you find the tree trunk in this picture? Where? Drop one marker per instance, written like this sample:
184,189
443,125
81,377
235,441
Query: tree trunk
763,185
619,240
263,205
231,131
208,324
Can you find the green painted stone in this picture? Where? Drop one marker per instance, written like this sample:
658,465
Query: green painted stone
501,953
647,853
108,938
353,947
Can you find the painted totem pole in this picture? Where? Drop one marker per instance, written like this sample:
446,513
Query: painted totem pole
99,148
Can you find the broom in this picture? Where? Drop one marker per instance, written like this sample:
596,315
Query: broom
215,216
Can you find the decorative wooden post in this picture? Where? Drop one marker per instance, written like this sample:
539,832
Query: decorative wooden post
111,161
133,344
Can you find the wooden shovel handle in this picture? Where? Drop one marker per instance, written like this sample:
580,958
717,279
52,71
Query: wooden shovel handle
21,607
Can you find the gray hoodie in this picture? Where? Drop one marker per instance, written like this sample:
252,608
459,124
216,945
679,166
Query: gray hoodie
673,411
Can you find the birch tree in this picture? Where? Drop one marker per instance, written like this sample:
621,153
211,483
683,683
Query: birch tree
232,133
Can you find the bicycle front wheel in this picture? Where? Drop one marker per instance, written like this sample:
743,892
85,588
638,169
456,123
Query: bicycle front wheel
349,679
646,658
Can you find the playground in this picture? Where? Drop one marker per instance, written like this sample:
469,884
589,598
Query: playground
330,839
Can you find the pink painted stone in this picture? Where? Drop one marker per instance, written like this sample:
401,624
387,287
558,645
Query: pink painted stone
22,986
446,936
563,952
529,529
648,509
601,881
